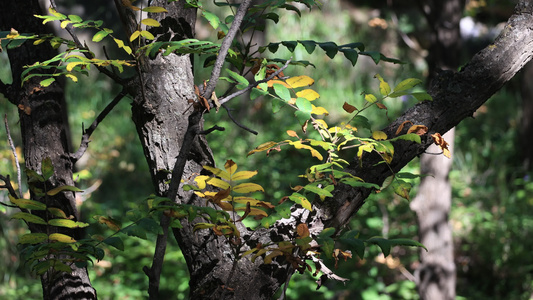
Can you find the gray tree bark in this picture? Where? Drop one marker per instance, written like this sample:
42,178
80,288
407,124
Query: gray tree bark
161,117
436,274
44,135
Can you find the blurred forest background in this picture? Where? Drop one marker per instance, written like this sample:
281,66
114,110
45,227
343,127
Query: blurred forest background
492,184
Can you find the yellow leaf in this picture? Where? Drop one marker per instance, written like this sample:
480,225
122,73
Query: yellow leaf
292,101
119,42
65,23
150,22
218,172
300,81
314,152
72,77
217,182
154,9
62,238
262,147
200,181
379,135
268,258
230,166
321,123
135,35
127,49
71,65
247,187
243,175
147,35
319,110
308,94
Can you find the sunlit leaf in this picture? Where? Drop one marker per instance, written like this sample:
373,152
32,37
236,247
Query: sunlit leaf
304,105
243,175
154,9
230,167
384,87
319,111
150,22
300,81
308,94
247,187
100,35
217,172
407,84
62,238
262,147
47,82
67,223
302,200
379,135
371,98
147,35
135,35
402,188
282,92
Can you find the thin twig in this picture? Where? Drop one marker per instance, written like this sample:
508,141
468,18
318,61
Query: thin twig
87,133
14,150
228,110
224,48
88,54
8,187
208,131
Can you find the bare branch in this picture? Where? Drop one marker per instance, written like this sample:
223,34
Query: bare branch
226,43
228,110
8,187
87,133
14,150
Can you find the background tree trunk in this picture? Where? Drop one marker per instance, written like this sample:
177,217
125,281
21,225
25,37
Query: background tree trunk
436,274
44,135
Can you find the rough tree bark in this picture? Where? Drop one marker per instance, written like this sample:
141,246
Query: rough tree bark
161,117
44,135
436,274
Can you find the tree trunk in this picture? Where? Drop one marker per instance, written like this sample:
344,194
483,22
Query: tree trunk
44,135
436,273
526,126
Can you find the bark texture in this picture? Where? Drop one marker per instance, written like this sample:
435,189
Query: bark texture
44,135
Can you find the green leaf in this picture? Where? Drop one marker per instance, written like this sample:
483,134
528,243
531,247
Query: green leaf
46,168
361,121
407,84
28,218
282,92
243,81
327,232
43,266
211,18
351,55
330,47
291,7
421,96
384,244
47,82
302,200
273,47
319,191
27,203
75,18
150,22
407,242
255,93
100,35
302,116
358,183
136,231
33,238
355,244
147,35
291,45
375,55
57,212
114,241
308,45
327,245
62,188
304,105
272,16
412,137
402,188
270,220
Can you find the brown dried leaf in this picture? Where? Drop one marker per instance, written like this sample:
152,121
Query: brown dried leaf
418,129
443,145
400,128
348,107
302,230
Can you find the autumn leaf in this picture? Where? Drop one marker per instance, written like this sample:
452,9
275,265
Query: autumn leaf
443,145
379,135
418,129
300,81
308,94
302,230
292,133
348,108
400,128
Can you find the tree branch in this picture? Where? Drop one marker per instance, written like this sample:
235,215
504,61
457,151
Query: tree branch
456,96
226,44
87,133
14,150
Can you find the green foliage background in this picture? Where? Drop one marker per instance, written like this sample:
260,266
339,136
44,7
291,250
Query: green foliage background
492,215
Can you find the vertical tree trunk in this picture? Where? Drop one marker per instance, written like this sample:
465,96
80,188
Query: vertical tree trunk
44,135
436,274
526,126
